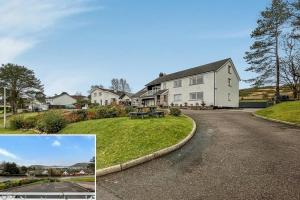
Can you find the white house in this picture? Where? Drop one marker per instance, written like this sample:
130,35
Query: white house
63,99
215,84
106,97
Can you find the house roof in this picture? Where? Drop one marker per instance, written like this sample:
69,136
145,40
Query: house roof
78,97
121,94
214,66
139,93
63,93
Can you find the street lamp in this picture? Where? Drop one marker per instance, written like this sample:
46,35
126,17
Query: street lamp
4,109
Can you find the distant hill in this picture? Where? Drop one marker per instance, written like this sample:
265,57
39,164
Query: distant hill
81,165
77,165
263,93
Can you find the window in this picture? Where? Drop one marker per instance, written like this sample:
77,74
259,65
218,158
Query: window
177,97
229,69
195,80
95,94
164,86
100,93
196,96
177,83
229,99
229,82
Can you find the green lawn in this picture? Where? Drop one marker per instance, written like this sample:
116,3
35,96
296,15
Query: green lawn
123,139
287,111
80,179
10,131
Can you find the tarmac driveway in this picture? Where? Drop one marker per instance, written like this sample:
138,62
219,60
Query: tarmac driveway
233,155
50,187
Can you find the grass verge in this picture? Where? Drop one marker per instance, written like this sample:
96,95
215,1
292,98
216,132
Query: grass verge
286,111
123,139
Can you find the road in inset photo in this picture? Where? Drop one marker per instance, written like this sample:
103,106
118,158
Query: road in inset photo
47,164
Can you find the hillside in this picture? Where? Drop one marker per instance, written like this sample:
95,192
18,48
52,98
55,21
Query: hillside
263,93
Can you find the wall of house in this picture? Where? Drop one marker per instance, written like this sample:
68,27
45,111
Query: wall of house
62,100
223,89
186,89
101,96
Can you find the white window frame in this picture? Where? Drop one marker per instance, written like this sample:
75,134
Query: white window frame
197,80
177,83
177,99
229,97
198,96
229,69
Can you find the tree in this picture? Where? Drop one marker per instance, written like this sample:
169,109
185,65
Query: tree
295,13
91,165
115,84
18,80
263,57
95,87
120,85
24,169
11,168
291,64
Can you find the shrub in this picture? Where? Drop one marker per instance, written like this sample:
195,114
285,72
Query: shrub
82,114
51,122
16,122
91,114
129,109
71,117
29,122
175,111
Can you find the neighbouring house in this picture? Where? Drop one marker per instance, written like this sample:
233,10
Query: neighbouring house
103,96
63,99
214,84
45,172
33,104
65,173
81,172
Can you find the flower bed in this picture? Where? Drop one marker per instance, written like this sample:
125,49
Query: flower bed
55,120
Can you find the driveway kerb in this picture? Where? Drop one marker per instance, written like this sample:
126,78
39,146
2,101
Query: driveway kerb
276,120
143,159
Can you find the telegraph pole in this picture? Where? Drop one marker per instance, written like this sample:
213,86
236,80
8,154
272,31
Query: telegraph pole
4,113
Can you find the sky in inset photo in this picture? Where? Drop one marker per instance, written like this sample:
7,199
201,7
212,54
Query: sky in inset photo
47,150
79,43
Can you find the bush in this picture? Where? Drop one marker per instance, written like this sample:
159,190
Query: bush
82,114
16,122
129,109
175,111
29,122
51,122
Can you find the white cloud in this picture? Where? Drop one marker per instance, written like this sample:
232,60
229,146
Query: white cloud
22,22
8,154
56,143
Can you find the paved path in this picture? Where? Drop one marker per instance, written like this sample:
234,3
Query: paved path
50,187
233,155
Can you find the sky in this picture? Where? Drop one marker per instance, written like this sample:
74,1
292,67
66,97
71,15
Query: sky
47,150
73,44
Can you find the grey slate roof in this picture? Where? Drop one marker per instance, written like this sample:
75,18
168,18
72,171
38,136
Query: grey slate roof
119,93
139,93
189,72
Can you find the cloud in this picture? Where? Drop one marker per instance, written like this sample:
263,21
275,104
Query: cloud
8,154
56,143
23,22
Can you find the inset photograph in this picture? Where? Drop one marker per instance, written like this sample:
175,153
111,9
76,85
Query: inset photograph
47,166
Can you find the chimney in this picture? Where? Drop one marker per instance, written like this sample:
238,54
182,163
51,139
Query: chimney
161,74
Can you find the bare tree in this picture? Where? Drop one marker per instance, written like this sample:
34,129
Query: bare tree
120,85
291,64
115,84
94,87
